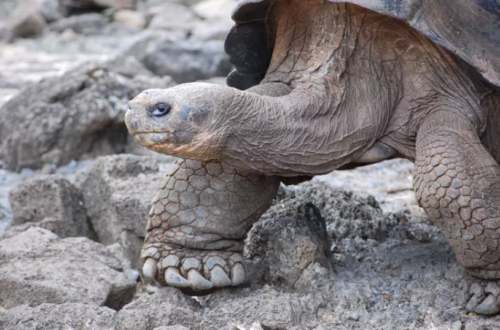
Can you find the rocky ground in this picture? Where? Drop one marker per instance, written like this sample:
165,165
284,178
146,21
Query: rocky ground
348,250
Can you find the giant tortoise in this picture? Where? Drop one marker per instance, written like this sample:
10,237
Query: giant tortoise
330,85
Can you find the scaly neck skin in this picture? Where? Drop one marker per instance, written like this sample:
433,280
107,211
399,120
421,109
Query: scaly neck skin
305,132
329,119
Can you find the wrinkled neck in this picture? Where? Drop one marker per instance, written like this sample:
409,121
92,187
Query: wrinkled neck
313,37
329,118
308,131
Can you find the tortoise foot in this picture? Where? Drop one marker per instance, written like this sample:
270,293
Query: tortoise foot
481,296
198,222
196,270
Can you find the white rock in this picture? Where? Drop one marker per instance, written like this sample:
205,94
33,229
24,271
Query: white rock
130,18
212,9
172,17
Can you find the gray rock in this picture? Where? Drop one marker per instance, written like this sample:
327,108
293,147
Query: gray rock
456,326
347,215
93,4
268,307
147,41
7,7
181,2
8,180
283,249
129,67
86,24
166,307
118,193
48,169
188,61
172,17
50,10
117,4
130,18
37,267
27,25
119,252
214,29
173,327
4,220
58,316
50,202
214,24
313,277
256,326
214,9
76,116
372,291
21,19
322,327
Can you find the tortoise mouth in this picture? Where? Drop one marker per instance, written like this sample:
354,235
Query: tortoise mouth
148,139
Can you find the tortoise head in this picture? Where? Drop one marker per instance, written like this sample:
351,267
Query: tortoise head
177,121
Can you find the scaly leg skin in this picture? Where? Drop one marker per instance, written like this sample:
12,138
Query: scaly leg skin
457,182
198,222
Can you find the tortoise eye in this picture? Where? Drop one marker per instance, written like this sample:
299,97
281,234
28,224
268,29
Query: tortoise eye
161,110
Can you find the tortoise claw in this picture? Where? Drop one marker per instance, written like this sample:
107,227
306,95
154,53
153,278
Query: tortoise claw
150,269
482,296
198,282
219,277
489,306
237,274
197,271
174,278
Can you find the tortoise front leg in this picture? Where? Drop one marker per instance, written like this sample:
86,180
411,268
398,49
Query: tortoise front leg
457,182
198,222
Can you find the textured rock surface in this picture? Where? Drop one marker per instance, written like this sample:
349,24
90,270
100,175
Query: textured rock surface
130,18
118,193
37,267
87,24
284,249
167,307
214,9
51,10
20,19
172,17
392,283
188,61
50,202
8,180
346,214
206,20
62,118
173,327
58,316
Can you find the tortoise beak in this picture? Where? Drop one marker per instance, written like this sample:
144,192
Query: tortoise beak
133,118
